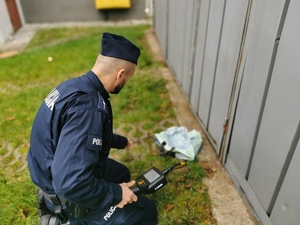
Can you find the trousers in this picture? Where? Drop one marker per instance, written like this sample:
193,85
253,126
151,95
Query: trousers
142,212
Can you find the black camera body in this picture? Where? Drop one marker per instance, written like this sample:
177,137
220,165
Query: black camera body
150,182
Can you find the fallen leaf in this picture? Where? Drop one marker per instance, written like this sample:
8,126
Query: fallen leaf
169,207
187,185
10,118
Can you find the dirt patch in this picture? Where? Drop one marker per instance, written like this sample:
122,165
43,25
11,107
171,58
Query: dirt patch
209,170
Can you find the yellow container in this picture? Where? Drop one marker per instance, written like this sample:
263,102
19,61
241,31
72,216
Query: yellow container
112,4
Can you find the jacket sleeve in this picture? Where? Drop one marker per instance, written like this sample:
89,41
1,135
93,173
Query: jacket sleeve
119,141
76,171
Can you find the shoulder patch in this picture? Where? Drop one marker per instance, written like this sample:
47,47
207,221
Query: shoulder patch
51,98
101,103
94,142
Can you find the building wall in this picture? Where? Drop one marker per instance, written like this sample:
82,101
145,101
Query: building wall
43,11
6,28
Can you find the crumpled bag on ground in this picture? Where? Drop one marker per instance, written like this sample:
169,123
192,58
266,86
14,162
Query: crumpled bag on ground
186,145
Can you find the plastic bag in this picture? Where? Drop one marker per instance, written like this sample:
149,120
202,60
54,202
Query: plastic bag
184,144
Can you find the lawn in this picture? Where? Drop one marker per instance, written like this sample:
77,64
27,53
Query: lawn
27,78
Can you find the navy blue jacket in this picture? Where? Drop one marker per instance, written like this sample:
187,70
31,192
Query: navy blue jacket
70,139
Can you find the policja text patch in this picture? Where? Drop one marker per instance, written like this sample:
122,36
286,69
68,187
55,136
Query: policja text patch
51,98
94,142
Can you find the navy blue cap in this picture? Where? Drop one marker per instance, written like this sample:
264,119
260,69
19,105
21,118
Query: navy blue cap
119,47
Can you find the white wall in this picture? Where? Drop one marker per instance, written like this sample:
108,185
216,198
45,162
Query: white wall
6,28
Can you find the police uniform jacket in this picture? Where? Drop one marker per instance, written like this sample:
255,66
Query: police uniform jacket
70,139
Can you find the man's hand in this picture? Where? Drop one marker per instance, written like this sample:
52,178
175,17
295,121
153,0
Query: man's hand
127,195
129,143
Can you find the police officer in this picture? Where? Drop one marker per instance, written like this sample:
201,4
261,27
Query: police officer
70,142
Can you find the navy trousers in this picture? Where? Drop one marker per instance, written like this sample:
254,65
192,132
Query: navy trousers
142,212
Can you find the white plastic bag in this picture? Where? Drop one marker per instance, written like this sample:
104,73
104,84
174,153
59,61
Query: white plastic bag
184,144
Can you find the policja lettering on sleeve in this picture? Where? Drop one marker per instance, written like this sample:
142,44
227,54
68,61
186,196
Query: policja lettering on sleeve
51,98
97,141
109,213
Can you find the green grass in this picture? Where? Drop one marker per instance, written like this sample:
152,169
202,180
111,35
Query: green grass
27,78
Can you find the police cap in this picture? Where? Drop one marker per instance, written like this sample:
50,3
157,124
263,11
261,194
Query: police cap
119,47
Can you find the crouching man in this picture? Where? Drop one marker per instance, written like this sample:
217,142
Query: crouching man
71,137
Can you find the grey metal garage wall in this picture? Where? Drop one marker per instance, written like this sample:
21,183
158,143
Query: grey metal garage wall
237,62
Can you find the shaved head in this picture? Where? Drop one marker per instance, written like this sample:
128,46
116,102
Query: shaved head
113,72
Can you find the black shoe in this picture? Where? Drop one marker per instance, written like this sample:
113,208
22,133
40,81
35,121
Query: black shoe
49,219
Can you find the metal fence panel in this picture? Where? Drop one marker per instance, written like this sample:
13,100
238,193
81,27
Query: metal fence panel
210,58
188,34
287,205
172,38
180,29
232,31
179,22
199,55
264,129
187,45
252,80
286,209
261,39
281,115
161,25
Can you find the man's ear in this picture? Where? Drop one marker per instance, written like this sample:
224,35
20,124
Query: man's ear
120,74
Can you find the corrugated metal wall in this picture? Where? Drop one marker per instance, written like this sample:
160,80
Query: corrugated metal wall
237,63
